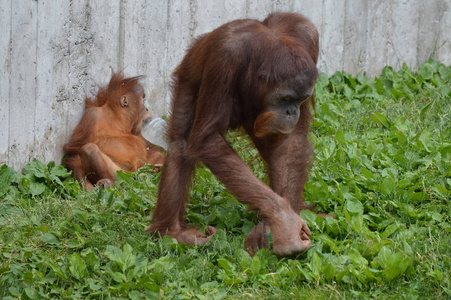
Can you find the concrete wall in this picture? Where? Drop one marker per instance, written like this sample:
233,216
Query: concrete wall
54,53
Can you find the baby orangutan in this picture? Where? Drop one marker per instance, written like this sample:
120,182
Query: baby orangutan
108,137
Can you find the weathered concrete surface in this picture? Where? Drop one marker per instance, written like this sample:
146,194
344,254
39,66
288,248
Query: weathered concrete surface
53,55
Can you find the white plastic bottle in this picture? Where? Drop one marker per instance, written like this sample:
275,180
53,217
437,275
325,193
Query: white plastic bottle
154,130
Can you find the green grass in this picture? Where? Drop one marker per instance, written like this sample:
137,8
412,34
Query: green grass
382,166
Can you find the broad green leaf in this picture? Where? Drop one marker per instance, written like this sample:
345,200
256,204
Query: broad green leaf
348,92
445,91
81,215
55,179
93,284
114,254
382,257
124,177
354,206
225,264
308,275
315,264
36,188
380,119
329,241
162,264
332,225
247,227
7,176
445,150
58,271
74,243
423,140
59,171
381,87
367,173
357,258
128,257
425,108
50,238
36,168
15,291
309,217
243,258
77,266
407,248
32,293
388,72
396,265
387,185
116,276
340,137
256,265
140,266
357,224
391,229
398,94
426,71
445,72
328,271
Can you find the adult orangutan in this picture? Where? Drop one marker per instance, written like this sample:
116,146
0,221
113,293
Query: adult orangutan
108,137
255,75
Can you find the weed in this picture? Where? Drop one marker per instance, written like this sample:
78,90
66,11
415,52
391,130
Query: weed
382,166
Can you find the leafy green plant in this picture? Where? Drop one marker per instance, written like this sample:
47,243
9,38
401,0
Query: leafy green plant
382,167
